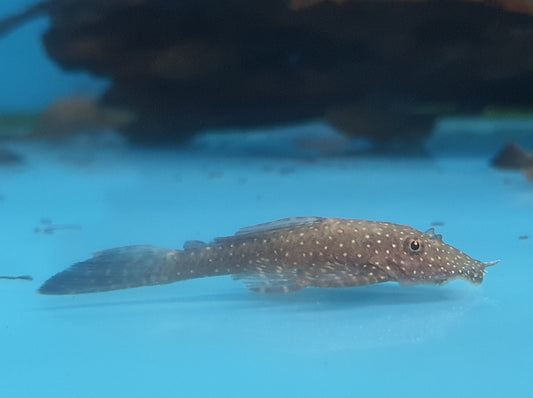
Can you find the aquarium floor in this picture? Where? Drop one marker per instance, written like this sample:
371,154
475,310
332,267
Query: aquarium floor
211,337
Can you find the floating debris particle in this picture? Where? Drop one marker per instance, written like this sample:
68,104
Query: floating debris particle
286,170
21,277
215,175
46,227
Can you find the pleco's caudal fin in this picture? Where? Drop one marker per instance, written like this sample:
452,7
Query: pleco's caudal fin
113,269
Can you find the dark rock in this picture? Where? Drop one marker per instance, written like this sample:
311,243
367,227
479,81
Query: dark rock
184,66
513,157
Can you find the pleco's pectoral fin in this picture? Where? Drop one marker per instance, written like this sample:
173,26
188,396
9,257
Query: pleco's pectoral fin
274,283
368,274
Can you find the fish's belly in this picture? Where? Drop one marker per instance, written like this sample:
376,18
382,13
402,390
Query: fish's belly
347,277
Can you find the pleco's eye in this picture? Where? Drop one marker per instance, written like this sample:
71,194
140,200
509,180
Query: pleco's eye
415,245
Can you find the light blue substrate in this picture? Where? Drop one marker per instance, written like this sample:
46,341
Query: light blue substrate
212,337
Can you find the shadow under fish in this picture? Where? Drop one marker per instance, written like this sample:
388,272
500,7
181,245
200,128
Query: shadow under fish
280,257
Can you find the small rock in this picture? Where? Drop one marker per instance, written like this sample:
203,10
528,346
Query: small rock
513,157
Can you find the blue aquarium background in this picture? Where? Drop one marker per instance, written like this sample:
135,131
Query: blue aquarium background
60,201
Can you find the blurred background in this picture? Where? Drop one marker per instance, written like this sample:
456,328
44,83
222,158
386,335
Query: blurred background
160,121
387,73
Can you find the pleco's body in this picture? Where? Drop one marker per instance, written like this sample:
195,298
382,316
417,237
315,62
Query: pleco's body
280,257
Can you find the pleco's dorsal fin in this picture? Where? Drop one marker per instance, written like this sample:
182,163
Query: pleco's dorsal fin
194,244
433,235
261,229
276,225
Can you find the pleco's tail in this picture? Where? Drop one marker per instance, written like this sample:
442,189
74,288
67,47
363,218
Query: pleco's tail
120,268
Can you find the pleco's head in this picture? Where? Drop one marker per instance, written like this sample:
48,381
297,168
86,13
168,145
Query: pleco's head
414,257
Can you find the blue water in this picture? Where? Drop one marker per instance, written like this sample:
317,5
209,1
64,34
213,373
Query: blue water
212,337
29,79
